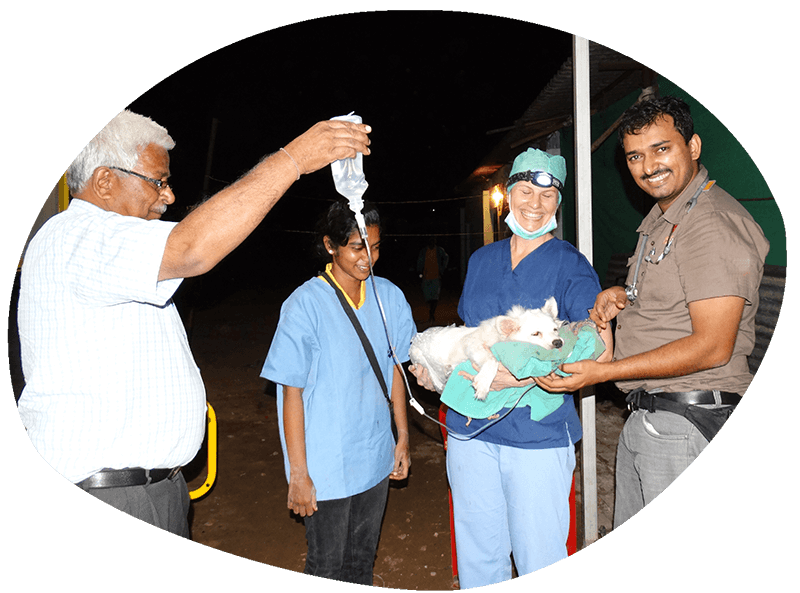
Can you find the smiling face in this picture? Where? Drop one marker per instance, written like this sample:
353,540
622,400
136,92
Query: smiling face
533,206
661,162
350,261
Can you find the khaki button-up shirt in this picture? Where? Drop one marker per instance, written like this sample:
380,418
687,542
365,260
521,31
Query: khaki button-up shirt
716,249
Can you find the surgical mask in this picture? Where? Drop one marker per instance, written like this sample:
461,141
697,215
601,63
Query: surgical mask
521,232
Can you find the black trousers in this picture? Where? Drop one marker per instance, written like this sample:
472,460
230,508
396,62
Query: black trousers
343,536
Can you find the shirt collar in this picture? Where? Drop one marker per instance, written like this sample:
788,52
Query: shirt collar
362,297
79,203
677,210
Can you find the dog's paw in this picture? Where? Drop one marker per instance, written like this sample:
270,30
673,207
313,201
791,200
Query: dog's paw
483,380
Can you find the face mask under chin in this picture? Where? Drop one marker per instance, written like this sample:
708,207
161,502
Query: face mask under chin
515,227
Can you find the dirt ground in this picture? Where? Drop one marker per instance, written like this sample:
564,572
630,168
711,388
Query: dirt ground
245,511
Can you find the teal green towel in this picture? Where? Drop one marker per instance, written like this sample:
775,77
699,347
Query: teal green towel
581,342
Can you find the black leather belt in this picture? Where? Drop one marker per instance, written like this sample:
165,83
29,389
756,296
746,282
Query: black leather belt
661,400
133,476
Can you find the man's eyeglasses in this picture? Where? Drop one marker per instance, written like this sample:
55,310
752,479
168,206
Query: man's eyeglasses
161,184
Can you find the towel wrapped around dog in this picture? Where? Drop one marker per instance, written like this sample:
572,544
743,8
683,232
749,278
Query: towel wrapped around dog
581,342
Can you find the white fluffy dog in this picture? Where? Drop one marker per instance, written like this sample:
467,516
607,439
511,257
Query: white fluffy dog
441,349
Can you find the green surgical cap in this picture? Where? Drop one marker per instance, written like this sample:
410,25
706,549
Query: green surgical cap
537,160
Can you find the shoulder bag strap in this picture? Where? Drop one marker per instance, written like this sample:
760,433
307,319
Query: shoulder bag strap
364,340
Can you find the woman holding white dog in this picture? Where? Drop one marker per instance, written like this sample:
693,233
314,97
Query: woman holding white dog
511,482
334,418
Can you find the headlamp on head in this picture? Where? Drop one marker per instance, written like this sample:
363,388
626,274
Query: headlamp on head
538,178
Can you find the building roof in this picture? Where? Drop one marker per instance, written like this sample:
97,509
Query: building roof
612,76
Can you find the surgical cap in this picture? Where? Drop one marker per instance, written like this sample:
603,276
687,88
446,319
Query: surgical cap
537,160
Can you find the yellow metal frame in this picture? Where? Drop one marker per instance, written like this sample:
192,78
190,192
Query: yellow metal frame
212,456
63,193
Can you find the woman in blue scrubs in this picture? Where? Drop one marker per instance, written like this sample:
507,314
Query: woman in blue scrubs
334,419
511,483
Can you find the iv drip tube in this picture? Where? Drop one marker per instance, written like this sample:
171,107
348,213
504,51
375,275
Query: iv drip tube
411,400
351,184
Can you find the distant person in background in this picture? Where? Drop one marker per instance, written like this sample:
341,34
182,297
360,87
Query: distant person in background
113,398
431,264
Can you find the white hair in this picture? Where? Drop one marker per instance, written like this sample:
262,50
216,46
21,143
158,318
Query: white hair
118,144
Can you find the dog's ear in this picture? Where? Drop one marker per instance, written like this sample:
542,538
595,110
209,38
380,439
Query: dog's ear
551,307
507,325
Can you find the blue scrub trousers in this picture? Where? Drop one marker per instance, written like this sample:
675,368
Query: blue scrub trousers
508,501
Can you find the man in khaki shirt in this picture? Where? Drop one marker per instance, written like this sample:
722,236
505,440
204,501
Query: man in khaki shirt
686,320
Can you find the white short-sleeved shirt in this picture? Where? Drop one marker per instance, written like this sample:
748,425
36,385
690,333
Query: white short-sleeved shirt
110,381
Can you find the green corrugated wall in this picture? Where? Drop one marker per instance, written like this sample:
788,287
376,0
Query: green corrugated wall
619,206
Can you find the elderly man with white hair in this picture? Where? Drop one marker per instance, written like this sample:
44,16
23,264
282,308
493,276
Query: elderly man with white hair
113,399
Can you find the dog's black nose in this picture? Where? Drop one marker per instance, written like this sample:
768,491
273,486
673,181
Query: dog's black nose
557,343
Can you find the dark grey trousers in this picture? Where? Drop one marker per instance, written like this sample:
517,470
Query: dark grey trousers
164,504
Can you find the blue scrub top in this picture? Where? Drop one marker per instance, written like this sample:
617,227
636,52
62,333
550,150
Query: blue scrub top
349,445
491,288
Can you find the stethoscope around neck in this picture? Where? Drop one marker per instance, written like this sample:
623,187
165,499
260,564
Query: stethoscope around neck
631,290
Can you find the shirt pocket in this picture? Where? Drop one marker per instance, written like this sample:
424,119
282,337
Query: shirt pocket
660,283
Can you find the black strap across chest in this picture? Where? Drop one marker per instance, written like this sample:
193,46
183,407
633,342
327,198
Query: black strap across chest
373,360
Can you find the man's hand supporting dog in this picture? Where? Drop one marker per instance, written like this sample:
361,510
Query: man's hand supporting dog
715,324
505,379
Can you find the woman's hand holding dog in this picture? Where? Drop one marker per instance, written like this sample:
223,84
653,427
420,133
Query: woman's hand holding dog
422,376
502,380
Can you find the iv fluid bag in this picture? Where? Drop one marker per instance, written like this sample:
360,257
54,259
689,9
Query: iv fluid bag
348,174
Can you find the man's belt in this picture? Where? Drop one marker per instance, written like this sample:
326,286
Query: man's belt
667,401
133,476
688,404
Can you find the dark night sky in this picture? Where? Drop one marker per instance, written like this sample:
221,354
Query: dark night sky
431,84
